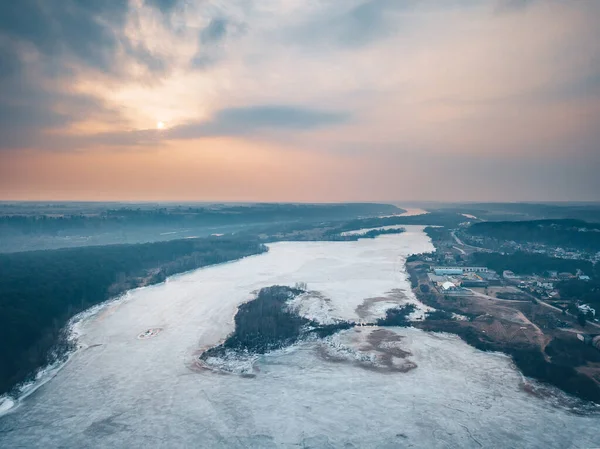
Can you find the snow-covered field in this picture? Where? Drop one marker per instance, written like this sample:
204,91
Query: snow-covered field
359,388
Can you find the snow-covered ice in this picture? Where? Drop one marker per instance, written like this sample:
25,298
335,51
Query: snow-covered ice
119,391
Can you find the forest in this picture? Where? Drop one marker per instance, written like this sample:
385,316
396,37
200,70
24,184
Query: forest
214,215
529,263
526,211
575,234
25,227
450,220
41,290
584,292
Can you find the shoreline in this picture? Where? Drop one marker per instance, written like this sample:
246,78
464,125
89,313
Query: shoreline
528,356
67,346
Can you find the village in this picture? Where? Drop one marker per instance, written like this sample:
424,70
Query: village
474,280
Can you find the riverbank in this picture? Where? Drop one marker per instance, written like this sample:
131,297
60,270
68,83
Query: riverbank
513,328
41,291
430,387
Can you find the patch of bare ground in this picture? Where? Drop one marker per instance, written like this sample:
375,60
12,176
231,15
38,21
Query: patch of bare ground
592,370
539,339
373,349
395,296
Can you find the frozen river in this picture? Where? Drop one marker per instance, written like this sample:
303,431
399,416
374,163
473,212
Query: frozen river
124,389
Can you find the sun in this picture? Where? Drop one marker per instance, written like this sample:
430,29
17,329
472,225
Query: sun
160,125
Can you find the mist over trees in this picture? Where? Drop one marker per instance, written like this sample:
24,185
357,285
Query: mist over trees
24,227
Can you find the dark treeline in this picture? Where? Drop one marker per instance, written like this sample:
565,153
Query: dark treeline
584,292
575,234
321,231
438,234
41,290
264,324
527,211
335,235
30,227
218,215
529,263
450,220
397,316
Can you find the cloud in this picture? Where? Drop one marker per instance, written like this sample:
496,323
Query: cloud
165,6
255,120
214,32
33,104
509,80
212,41
505,6
352,27
276,117
78,29
229,122
155,65
44,48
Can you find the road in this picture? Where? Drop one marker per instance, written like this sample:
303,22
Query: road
545,304
461,243
590,323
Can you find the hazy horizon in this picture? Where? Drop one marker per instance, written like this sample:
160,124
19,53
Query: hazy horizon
398,203
294,101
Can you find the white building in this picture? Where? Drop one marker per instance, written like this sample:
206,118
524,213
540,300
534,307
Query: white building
585,309
442,271
446,286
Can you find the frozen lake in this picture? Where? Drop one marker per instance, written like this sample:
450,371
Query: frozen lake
134,383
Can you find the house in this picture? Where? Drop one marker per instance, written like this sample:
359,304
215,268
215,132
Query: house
586,309
442,271
490,277
472,280
448,286
438,280
545,285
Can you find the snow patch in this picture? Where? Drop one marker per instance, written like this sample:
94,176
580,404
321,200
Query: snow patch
313,306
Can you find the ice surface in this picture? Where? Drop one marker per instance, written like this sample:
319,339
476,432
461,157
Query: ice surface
119,391
6,404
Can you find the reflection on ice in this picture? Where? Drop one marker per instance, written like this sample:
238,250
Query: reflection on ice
359,388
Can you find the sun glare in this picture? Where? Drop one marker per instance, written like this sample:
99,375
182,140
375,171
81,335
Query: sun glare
160,125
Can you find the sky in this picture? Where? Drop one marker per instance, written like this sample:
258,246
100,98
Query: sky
300,100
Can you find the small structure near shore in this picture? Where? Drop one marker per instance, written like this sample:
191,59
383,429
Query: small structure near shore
442,271
593,340
448,286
